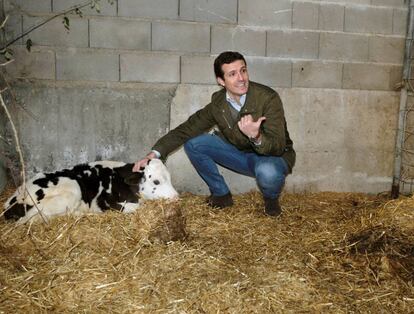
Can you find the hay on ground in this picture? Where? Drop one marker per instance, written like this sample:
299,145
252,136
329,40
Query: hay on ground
328,252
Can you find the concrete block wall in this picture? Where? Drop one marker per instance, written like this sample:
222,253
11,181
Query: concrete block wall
299,45
345,33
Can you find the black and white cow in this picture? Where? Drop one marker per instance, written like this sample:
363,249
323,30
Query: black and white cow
92,187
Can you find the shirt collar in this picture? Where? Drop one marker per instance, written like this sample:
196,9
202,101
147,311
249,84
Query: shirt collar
236,105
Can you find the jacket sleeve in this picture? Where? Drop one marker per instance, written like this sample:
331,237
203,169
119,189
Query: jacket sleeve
273,129
198,123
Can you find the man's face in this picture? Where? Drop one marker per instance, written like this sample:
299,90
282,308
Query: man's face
236,79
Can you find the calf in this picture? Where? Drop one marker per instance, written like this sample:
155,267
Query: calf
93,187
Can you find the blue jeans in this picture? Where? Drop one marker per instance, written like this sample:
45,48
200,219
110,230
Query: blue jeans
207,150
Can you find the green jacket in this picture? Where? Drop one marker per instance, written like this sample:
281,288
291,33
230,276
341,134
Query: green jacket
260,101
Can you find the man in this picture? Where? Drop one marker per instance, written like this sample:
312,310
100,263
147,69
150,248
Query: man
250,137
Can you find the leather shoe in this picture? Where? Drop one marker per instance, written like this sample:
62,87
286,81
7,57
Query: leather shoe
220,201
272,207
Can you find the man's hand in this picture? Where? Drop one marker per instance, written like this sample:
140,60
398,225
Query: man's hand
143,162
249,127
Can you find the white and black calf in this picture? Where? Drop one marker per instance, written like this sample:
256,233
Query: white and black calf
93,187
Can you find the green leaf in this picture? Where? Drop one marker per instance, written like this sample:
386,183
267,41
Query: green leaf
29,44
66,22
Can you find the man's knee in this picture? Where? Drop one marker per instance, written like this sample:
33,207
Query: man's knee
270,173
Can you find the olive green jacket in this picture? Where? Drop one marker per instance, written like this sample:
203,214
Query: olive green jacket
260,101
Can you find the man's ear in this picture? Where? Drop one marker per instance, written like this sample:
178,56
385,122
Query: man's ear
220,81
134,178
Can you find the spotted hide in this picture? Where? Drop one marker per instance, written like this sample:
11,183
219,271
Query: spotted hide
93,187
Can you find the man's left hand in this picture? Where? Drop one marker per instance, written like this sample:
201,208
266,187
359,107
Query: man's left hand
249,127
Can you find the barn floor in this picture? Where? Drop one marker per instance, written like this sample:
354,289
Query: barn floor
328,252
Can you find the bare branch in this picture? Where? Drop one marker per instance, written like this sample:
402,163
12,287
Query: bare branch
70,10
6,63
16,138
4,22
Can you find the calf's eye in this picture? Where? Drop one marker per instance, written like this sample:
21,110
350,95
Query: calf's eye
156,182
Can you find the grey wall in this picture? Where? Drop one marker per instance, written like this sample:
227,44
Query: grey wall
122,77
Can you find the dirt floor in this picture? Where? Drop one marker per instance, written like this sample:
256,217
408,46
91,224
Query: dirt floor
327,253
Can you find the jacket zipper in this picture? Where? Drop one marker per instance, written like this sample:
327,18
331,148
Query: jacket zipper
224,116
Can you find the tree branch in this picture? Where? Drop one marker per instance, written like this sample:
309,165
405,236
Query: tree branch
74,8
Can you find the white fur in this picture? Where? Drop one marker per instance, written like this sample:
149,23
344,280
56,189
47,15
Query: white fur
156,170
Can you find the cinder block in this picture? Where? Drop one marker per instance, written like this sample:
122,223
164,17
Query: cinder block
266,13
293,44
269,71
37,64
73,65
197,70
369,76
376,20
120,33
247,41
400,20
331,17
340,46
54,33
391,3
26,6
213,11
386,49
160,68
305,15
104,7
315,74
149,8
181,36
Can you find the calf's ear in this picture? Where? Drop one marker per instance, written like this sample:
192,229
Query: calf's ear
134,178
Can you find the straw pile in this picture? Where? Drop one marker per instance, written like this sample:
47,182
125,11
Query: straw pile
328,252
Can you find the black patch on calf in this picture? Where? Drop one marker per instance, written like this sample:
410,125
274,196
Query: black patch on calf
16,211
125,186
40,194
49,177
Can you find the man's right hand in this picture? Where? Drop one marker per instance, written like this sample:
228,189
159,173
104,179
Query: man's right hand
143,162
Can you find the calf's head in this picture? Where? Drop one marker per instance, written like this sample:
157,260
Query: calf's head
154,181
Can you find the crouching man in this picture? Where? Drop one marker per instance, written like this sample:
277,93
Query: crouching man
251,136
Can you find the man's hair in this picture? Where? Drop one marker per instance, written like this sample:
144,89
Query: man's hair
226,58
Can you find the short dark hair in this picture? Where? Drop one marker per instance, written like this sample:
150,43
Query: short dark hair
226,57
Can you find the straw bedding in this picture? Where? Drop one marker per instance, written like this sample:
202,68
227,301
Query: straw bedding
328,252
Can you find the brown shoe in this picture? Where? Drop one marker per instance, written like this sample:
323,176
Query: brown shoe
220,201
272,207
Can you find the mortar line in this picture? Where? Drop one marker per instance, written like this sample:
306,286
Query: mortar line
119,67
150,39
55,56
211,35
237,12
180,69
89,33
